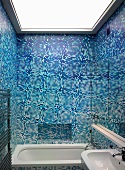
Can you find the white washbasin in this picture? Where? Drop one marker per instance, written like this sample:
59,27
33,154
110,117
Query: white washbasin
102,160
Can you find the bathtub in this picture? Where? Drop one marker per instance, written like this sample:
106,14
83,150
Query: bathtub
40,156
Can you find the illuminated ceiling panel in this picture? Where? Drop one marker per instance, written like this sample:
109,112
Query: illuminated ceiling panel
59,15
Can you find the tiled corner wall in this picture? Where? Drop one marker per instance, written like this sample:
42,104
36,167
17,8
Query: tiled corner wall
54,85
8,74
110,60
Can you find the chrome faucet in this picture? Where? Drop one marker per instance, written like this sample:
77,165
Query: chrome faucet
122,153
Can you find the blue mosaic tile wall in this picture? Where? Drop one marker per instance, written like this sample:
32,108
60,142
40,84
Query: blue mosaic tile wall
8,53
54,85
71,79
110,84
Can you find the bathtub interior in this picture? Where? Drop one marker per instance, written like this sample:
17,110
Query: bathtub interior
44,154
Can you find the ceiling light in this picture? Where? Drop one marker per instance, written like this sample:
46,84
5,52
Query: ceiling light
76,16
59,14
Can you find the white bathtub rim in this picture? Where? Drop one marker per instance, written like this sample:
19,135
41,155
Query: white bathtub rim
45,163
19,148
77,145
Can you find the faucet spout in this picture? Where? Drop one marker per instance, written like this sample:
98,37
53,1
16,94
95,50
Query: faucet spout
117,154
122,153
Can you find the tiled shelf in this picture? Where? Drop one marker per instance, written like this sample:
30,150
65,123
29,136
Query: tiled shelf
118,140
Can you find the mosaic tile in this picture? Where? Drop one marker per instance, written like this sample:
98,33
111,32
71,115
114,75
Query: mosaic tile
54,71
111,52
8,76
69,77
51,167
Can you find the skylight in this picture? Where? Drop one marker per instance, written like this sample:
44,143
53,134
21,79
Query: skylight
59,14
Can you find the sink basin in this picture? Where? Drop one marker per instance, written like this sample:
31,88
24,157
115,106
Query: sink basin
102,160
